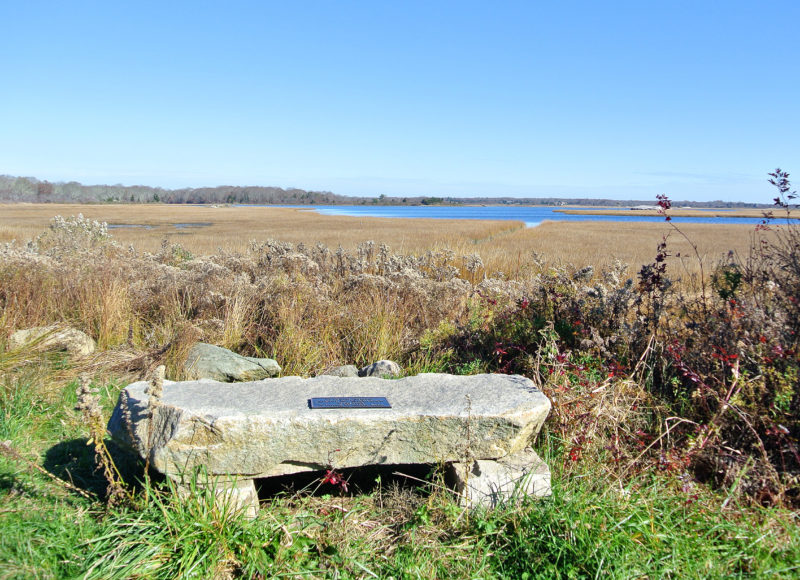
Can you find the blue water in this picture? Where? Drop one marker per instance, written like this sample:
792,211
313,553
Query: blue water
531,215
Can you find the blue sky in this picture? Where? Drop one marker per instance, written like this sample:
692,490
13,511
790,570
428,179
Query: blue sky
698,100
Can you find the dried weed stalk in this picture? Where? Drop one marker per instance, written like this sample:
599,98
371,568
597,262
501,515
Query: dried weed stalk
89,405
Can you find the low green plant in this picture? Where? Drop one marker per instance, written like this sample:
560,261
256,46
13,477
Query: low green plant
179,534
641,530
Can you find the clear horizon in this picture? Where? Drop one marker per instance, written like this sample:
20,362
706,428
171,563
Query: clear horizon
626,100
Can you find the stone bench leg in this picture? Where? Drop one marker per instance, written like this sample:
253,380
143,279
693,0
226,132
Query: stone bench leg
239,495
488,483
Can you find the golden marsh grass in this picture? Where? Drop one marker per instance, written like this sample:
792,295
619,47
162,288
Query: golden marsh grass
232,228
634,243
505,246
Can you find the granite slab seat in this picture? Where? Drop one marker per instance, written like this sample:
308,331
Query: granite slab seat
244,431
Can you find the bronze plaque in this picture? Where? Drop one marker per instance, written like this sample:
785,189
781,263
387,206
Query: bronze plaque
349,403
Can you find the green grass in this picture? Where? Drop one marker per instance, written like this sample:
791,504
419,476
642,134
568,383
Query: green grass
646,532
589,528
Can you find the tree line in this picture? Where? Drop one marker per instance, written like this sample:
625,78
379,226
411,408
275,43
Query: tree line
32,190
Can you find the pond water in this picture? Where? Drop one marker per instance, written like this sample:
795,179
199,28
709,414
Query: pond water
531,215
192,225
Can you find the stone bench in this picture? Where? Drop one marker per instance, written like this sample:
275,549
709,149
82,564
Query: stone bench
481,426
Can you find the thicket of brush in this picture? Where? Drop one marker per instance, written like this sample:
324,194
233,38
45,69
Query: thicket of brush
656,383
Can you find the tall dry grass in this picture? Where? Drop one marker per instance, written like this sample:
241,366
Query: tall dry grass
308,304
309,307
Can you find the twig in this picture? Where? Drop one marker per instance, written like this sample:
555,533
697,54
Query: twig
659,438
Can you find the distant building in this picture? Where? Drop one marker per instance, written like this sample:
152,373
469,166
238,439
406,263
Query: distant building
645,207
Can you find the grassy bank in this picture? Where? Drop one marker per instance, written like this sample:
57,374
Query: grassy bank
595,524
672,438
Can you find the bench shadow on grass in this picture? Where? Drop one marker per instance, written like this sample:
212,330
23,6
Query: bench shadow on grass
74,461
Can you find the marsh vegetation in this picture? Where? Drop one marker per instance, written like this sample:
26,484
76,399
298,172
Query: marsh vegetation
503,246
671,357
